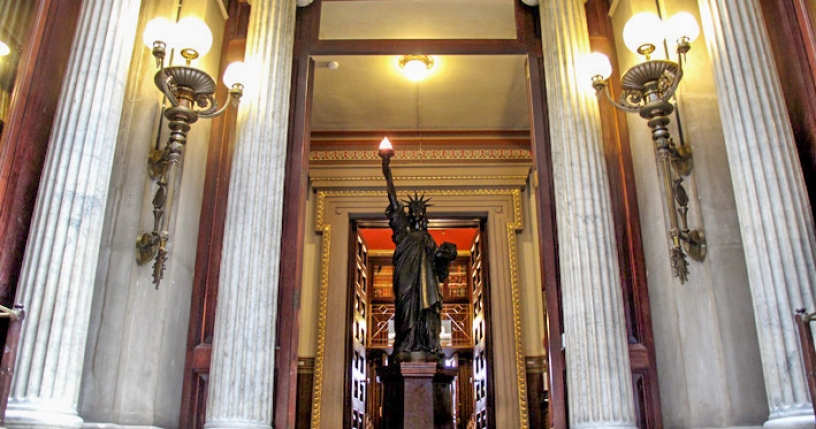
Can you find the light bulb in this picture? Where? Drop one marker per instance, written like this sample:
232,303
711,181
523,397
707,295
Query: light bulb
235,74
157,30
416,67
643,33
682,24
4,49
193,33
597,64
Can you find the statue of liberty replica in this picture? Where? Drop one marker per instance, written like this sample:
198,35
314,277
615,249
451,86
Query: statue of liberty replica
420,267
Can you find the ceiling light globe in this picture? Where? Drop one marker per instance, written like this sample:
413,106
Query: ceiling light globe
598,64
193,33
4,49
682,24
643,33
236,73
157,30
416,67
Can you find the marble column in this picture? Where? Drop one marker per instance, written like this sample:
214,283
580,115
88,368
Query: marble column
599,379
241,372
774,213
59,267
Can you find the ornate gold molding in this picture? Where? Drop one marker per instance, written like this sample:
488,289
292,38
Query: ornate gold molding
424,155
317,392
514,193
414,178
515,296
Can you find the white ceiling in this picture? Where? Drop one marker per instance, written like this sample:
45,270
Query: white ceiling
463,92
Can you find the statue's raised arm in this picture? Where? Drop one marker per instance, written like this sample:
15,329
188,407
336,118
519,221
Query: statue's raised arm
389,180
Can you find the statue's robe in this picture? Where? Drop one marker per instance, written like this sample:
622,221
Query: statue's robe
417,293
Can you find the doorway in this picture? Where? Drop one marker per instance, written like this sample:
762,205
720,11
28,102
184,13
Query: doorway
465,321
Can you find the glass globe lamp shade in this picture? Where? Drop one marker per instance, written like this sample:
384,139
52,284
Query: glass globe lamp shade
193,33
416,67
597,64
235,74
5,50
641,31
682,24
159,29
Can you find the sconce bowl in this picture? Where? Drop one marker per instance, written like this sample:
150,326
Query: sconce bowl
636,77
198,81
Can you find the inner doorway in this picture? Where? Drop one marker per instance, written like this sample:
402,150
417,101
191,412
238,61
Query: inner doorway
465,321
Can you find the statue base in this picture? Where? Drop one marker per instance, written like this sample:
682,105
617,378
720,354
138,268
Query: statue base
417,394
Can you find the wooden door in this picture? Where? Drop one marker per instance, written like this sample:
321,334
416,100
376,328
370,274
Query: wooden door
355,417
481,397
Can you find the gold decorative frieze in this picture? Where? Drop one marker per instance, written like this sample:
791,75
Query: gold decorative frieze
425,155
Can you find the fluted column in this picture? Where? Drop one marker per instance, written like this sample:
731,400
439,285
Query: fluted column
59,267
599,378
775,219
241,372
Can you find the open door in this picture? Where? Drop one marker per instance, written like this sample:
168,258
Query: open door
358,307
482,396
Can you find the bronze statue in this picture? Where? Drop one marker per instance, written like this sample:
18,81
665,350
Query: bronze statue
419,269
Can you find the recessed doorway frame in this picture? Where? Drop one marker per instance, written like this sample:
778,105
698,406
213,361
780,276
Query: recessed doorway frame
334,211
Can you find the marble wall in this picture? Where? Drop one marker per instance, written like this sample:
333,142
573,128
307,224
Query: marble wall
136,344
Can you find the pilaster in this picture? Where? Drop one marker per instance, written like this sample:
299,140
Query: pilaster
241,373
597,358
59,267
775,218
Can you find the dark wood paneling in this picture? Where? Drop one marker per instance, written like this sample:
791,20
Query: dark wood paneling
536,391
305,384
627,228
28,129
790,29
211,234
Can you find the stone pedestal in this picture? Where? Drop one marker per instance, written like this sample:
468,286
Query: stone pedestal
417,395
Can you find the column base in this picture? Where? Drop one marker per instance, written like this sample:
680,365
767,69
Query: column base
115,426
41,415
804,419
227,424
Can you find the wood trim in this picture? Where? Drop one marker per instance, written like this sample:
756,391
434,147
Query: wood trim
294,222
547,229
791,34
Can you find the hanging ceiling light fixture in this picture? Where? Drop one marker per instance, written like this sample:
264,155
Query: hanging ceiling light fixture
416,67
647,89
191,93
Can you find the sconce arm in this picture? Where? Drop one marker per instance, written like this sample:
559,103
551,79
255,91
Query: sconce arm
603,87
235,94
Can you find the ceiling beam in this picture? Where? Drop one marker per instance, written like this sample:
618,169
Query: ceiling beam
422,46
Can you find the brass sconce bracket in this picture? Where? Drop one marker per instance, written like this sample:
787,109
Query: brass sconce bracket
191,93
646,89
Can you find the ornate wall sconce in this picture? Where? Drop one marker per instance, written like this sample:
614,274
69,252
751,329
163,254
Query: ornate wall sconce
191,94
646,88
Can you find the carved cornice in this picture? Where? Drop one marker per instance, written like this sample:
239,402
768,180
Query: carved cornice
425,155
